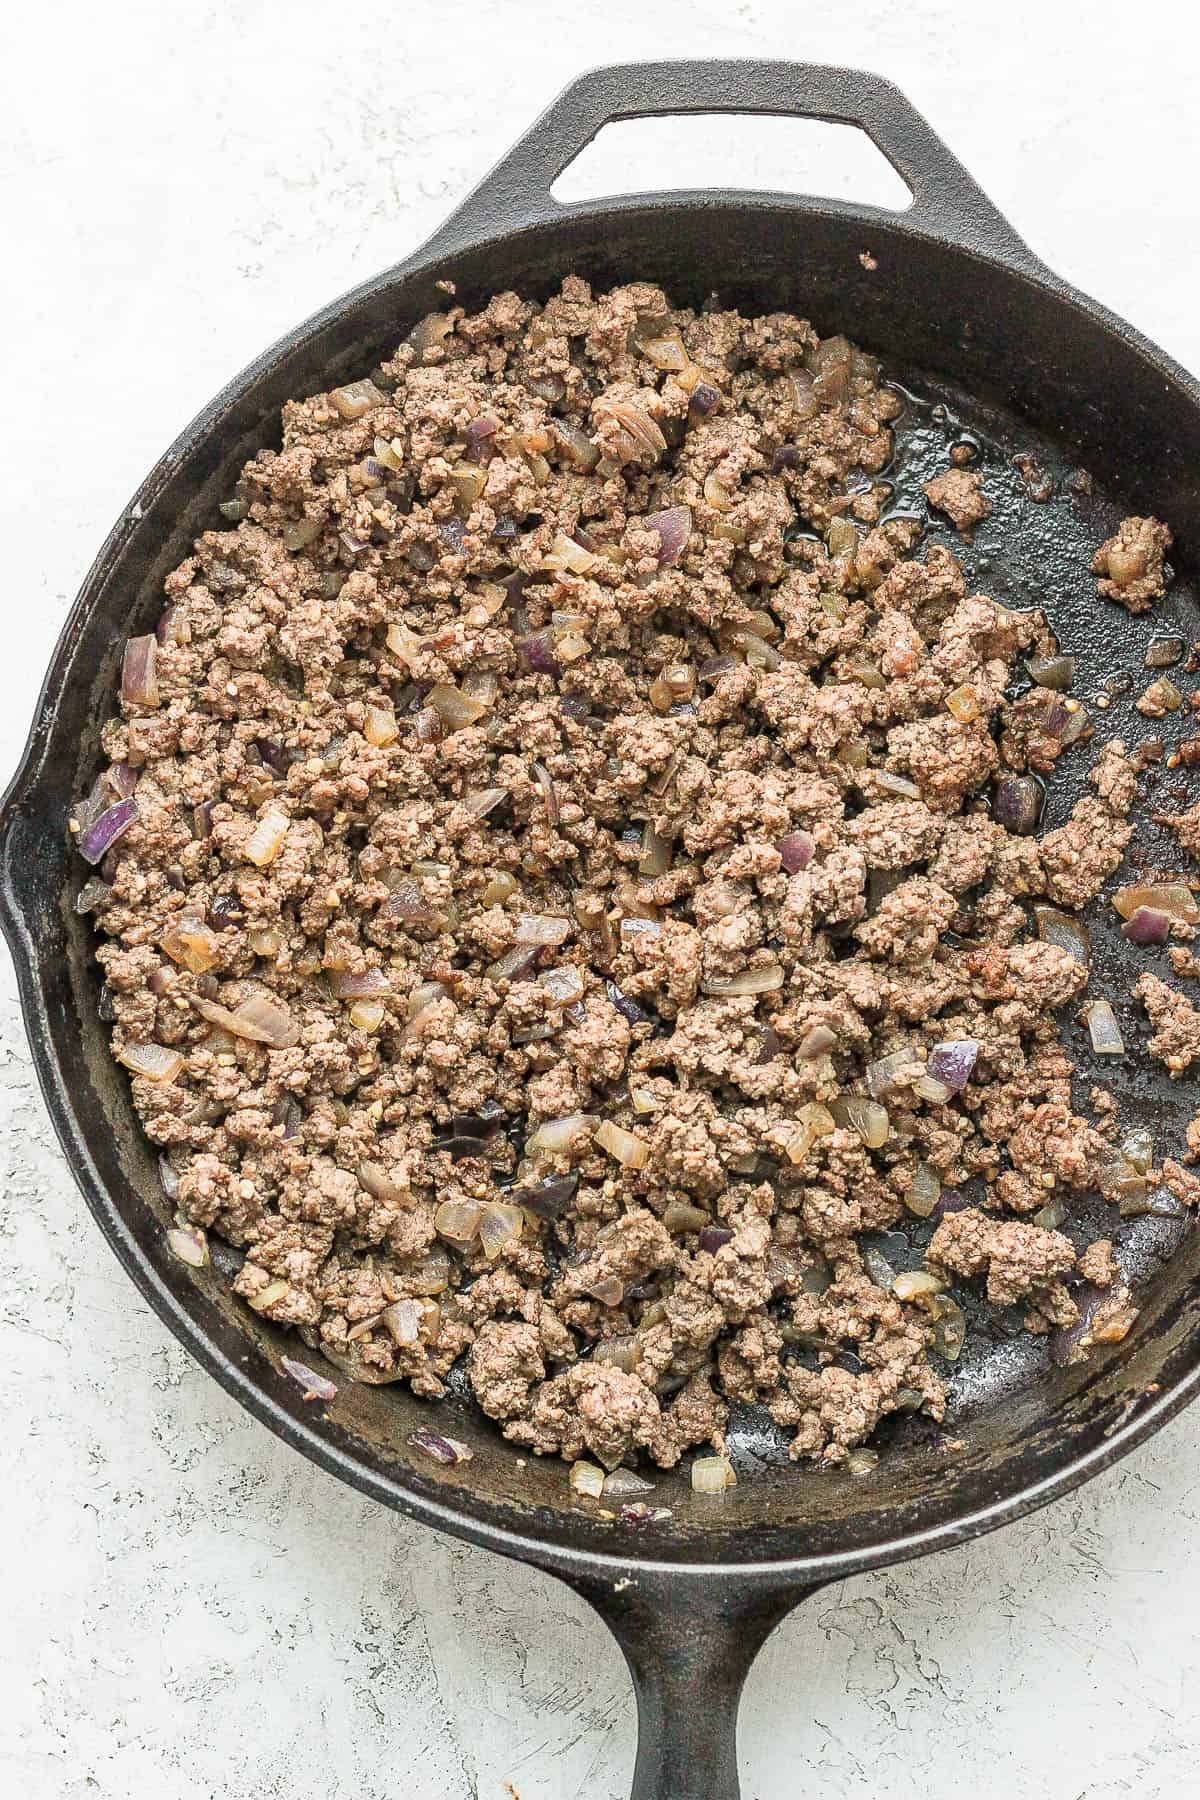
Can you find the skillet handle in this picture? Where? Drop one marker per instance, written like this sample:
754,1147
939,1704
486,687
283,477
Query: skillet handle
947,203
690,1641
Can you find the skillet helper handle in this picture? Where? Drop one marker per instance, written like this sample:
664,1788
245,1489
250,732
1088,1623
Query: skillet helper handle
947,203
689,1641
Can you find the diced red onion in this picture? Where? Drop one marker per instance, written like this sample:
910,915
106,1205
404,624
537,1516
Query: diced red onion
260,1019
344,985
950,1200
714,1237
1055,927
761,980
173,626
516,964
408,903
500,1224
357,398
796,851
541,928
628,1149
103,832
266,840
92,894
1103,1029
952,1061
189,1244
628,1008
1057,672
458,1222
673,528
454,707
555,1136
139,671
153,1061
545,781
546,1199
1147,925
122,780
655,859
704,398
1169,897
438,1448
537,652
564,983
897,784
816,1041
1017,804
478,435
316,1387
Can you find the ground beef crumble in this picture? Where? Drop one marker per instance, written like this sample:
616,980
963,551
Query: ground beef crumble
548,904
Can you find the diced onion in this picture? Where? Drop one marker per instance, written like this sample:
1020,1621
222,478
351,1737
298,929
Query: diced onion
260,1019
917,1284
458,1222
139,671
1061,928
357,398
812,1122
564,983
380,727
897,1069
762,980
796,851
1147,925
439,1449
897,784
554,1136
541,928
499,1225
952,1061
454,707
712,1475
362,986
866,1117
192,945
190,1244
266,840
587,1480
924,1190
1169,897
1103,1029
628,1148
152,1061
367,1015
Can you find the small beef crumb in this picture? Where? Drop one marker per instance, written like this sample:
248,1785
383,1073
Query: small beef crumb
1176,1038
1130,564
1018,1259
1098,1264
562,874
959,494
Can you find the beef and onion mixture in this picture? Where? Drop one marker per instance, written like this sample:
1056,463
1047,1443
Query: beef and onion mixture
569,864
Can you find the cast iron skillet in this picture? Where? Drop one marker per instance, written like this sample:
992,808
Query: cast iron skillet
945,286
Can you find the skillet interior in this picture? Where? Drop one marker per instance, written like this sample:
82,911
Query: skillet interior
1076,392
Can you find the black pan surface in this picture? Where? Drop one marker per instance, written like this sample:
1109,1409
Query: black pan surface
1023,364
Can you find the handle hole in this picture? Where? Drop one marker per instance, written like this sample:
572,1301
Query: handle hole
722,150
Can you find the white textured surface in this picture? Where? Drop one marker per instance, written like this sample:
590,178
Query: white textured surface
189,1609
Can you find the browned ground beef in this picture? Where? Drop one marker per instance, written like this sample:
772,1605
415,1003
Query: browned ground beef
557,887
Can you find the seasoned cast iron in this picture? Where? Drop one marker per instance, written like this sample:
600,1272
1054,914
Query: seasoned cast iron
948,287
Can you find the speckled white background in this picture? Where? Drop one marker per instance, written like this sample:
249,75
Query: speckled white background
188,1608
